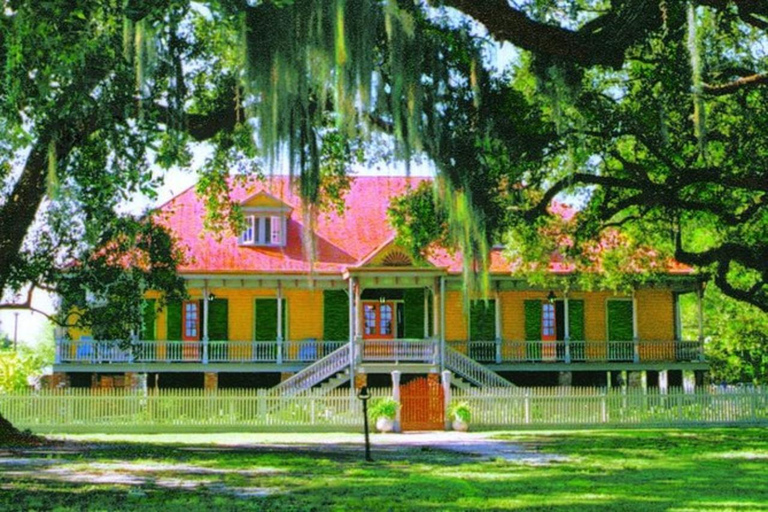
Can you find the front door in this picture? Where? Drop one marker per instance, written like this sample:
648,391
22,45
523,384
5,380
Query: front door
190,333
548,332
378,324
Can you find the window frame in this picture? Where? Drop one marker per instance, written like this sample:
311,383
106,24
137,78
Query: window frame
265,230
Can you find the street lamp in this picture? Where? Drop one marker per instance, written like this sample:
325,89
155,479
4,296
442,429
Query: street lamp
363,394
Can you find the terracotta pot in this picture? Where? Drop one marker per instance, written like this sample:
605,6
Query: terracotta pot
460,426
385,424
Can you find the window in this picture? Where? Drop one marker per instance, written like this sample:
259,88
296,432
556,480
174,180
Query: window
266,230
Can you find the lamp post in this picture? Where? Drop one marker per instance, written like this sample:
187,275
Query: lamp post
364,395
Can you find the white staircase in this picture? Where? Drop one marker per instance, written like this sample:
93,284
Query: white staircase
459,382
472,371
334,382
332,365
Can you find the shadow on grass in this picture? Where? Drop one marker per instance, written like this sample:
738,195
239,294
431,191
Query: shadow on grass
617,470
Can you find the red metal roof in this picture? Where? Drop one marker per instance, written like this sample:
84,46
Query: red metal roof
342,240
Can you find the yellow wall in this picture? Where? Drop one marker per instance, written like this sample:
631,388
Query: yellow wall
304,312
455,317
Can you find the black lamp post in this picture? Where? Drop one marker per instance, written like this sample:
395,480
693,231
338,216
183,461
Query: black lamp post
364,395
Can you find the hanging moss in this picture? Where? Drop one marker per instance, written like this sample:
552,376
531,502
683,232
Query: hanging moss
699,120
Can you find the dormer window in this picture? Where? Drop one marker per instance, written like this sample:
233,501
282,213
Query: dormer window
264,230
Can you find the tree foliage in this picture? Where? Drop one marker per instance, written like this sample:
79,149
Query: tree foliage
652,112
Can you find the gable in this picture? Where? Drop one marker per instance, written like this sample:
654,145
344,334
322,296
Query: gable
262,201
391,255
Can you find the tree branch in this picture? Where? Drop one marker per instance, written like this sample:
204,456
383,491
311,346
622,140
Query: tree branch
745,82
603,40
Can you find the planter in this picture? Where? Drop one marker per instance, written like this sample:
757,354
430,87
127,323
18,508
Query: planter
385,424
460,426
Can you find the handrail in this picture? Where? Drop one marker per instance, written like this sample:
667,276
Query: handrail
473,371
398,350
315,373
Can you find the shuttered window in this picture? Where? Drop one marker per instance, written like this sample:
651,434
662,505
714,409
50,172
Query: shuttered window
413,304
335,315
620,320
218,320
265,328
148,318
482,320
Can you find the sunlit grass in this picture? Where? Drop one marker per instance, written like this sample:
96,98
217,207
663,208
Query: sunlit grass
680,470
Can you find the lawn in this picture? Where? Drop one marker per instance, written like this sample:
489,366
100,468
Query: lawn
703,469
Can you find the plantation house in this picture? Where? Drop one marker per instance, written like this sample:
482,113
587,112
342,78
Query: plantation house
260,314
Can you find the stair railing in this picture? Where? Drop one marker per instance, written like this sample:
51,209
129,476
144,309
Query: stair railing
315,373
473,371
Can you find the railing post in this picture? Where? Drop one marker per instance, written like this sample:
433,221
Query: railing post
279,351
498,350
57,352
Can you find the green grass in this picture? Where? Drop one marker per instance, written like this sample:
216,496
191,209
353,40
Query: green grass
672,469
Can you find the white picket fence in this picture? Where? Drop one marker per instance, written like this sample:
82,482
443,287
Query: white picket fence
86,410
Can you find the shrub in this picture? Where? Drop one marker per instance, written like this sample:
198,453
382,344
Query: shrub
460,411
384,408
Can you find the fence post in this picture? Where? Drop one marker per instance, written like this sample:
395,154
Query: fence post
262,405
679,406
527,406
312,397
604,406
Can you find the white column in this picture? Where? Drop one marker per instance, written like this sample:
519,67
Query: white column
279,311
351,297
206,296
567,327
396,397
497,321
446,378
442,323
635,338
279,322
700,305
435,309
358,311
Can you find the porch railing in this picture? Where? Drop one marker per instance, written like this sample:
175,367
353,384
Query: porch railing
410,350
214,351
538,351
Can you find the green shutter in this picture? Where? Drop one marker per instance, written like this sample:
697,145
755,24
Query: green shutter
413,304
174,320
620,320
218,315
148,316
266,320
576,319
482,320
335,315
532,320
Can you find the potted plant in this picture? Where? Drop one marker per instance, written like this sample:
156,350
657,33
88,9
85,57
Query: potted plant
384,411
460,414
